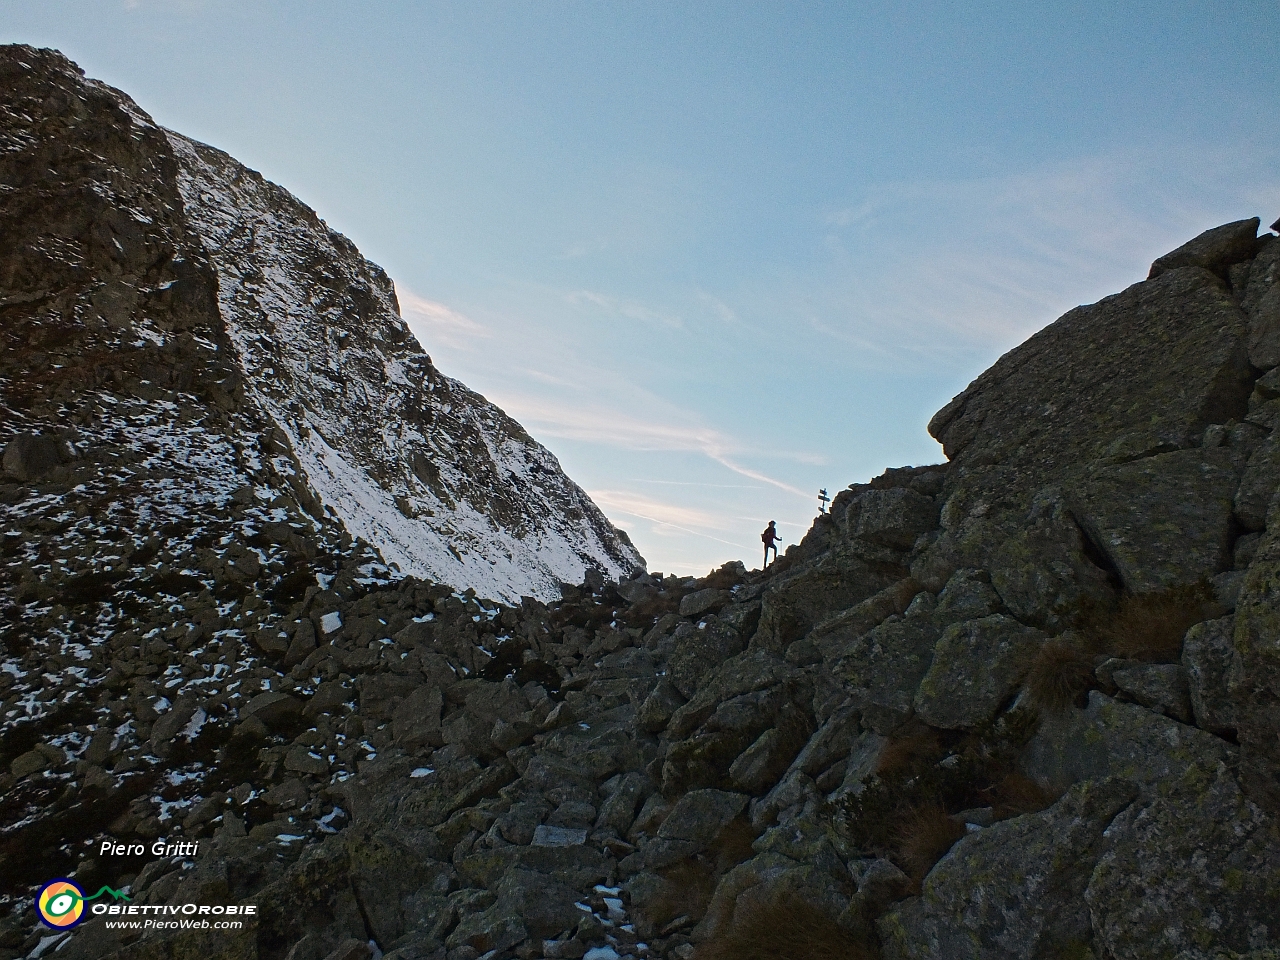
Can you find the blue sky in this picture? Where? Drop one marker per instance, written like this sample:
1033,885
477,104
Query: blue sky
719,255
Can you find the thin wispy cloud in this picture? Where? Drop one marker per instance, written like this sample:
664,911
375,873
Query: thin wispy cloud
721,310
1001,257
628,309
694,483
676,518
435,324
617,429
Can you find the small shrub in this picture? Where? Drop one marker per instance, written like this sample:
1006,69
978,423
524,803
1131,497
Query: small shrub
1150,626
786,928
1060,672
925,834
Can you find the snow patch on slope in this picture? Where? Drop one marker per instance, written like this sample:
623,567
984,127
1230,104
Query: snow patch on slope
444,484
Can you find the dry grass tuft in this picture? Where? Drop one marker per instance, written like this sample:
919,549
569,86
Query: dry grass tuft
733,846
1017,794
656,607
724,578
924,835
689,885
1060,672
686,891
1150,626
786,928
909,754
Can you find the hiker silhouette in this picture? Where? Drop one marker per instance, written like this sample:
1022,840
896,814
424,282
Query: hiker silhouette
770,538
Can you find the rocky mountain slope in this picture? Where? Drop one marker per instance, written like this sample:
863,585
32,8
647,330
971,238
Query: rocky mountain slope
126,244
1018,705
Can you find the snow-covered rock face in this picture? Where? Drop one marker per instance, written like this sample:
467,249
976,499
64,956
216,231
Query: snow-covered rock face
307,337
443,483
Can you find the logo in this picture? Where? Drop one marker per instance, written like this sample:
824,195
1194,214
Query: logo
60,903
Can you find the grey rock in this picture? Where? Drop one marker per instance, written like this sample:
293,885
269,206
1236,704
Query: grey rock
415,724
1043,573
1256,689
1015,889
884,667
796,603
172,723
1072,392
794,789
1193,872
545,907
29,456
1163,521
832,742
976,667
693,824
518,824
573,813
634,591
698,651
832,635
1261,302
28,764
703,601
863,760
1226,588
760,766
881,883
967,596
300,759
1258,484
1215,249
381,693
1109,738
657,708
895,518
747,672
1208,657
1157,686
273,709
618,810
549,836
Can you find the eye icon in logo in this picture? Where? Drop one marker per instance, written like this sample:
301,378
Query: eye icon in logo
60,904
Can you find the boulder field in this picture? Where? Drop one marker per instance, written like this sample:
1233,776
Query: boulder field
1023,704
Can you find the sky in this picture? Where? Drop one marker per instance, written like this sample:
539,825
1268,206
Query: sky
717,256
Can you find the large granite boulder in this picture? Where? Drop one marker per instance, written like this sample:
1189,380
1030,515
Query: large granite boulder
1257,688
1163,521
1258,484
1215,249
1109,738
1209,659
1086,387
792,606
1043,572
1014,891
1194,871
976,667
1261,302
884,667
